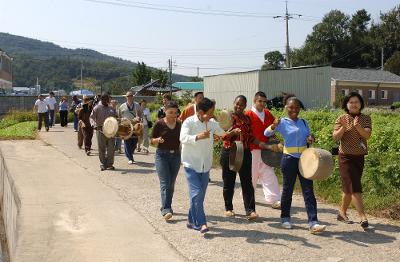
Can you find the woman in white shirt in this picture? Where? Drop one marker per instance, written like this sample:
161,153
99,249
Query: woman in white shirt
197,146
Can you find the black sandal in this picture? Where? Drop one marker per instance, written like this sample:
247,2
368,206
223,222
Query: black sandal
364,224
344,219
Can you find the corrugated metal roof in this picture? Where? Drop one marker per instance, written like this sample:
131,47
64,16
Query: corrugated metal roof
154,86
189,85
364,75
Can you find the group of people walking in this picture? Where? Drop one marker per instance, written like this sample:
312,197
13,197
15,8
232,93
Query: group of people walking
195,131
187,138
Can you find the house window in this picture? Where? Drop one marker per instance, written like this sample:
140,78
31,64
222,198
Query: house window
371,94
359,92
345,92
384,94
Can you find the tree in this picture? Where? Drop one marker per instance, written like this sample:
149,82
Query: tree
273,60
161,75
393,63
141,74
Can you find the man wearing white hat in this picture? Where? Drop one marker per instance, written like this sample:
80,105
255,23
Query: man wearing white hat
132,111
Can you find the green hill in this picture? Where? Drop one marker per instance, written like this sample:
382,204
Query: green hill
58,67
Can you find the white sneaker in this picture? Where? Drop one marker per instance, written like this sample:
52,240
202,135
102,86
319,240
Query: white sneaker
287,225
276,205
130,162
317,228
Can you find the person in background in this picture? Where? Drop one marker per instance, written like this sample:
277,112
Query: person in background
84,123
63,111
297,136
165,136
74,105
42,109
144,139
118,140
132,111
352,129
191,108
105,145
161,111
261,118
52,102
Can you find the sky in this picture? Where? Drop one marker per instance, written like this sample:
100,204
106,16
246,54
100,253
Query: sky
211,37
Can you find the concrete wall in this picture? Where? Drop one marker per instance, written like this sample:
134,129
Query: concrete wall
224,88
10,206
8,103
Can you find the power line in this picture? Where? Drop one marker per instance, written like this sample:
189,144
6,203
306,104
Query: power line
186,10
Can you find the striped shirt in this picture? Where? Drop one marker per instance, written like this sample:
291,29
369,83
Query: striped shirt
351,142
294,133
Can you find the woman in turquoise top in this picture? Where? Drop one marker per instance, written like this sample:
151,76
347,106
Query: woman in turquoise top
296,134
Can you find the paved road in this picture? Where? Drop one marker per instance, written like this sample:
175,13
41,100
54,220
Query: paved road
233,239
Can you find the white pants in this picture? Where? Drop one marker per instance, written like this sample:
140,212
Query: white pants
267,176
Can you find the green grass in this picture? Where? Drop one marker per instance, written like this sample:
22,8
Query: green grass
23,130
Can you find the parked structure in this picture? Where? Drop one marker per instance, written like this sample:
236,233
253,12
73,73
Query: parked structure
5,72
317,86
153,88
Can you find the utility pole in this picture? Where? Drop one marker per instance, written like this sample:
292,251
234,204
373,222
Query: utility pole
287,17
382,58
198,72
170,75
81,75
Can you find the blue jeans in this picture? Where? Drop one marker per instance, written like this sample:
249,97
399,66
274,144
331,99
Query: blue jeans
130,146
290,171
167,166
197,183
76,121
51,115
118,142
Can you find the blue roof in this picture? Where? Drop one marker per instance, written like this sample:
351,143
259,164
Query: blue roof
189,85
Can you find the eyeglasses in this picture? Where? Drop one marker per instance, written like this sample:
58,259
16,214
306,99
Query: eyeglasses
130,96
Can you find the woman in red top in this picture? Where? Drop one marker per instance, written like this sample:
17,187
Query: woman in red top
243,133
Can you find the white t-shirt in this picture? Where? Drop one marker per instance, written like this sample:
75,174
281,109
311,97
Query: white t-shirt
146,115
197,155
51,101
260,115
41,106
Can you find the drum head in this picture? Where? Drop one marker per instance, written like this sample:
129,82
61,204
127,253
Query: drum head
224,118
110,127
316,164
236,156
125,129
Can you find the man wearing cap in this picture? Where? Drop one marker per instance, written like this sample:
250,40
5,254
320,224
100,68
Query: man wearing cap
52,102
105,145
84,124
132,111
191,108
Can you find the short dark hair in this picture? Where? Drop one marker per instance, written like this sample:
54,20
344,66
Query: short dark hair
167,96
205,104
347,99
142,101
171,104
241,97
105,95
289,97
198,93
261,94
51,93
